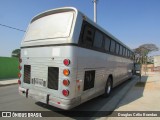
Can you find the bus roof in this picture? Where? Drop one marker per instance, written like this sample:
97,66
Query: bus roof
53,11
67,9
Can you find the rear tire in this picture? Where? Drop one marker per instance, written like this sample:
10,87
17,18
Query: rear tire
108,87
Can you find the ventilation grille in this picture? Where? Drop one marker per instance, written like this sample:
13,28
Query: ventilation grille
89,79
27,73
53,73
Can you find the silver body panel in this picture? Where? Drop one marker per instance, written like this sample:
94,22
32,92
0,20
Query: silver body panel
44,53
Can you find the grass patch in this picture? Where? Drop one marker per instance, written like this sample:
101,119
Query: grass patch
8,67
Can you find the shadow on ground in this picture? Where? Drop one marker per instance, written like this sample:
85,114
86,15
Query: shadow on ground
136,92
92,107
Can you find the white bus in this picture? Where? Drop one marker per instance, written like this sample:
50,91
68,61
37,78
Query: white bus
67,59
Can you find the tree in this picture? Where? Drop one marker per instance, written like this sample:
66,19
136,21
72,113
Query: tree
142,52
16,53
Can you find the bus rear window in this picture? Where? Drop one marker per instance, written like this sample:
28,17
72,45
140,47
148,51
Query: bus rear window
56,25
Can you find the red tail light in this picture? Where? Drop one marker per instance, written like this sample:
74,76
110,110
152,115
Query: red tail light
19,82
65,92
19,75
66,62
66,82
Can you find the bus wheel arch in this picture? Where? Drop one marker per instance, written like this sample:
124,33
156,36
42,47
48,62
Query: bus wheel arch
108,86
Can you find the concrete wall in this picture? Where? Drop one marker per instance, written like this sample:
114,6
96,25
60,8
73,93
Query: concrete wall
157,61
148,68
8,67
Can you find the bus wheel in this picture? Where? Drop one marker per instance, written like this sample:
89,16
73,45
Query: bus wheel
108,87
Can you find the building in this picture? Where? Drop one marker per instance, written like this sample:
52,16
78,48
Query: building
157,63
150,59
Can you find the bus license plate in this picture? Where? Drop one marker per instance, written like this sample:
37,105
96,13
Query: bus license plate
38,82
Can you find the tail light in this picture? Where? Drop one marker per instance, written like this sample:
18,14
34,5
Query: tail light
19,75
20,67
19,82
65,92
66,62
66,72
66,82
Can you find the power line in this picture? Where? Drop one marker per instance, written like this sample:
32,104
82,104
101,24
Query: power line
12,28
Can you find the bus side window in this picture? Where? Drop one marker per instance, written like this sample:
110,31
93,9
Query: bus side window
117,48
107,43
124,50
88,36
112,47
98,39
121,50
128,54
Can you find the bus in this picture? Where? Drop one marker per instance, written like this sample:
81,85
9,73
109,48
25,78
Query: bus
67,59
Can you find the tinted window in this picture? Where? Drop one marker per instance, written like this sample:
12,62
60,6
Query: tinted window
98,39
121,50
112,48
124,51
128,53
117,48
107,43
88,36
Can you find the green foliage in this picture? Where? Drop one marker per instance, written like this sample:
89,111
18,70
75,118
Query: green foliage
16,53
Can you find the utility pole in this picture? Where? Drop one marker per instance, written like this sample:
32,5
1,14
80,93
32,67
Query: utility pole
95,10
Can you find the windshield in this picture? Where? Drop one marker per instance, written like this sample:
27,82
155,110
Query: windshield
51,26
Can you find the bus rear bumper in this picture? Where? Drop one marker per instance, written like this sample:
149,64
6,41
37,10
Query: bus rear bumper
65,104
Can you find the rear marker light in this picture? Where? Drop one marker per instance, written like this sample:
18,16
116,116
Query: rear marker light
66,62
65,92
66,72
19,82
19,75
20,67
66,82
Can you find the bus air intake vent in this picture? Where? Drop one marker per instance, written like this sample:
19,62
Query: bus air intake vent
27,73
89,79
53,73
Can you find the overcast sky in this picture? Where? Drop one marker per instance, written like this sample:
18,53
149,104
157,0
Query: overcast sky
134,22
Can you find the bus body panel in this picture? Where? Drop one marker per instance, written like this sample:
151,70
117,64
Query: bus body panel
42,51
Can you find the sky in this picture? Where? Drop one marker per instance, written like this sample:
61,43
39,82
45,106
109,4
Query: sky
134,22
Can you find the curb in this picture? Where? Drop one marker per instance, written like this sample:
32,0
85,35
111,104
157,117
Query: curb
8,82
1,85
